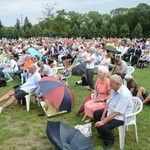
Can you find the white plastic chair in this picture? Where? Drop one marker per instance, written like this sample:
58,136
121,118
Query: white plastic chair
54,71
28,98
130,71
137,108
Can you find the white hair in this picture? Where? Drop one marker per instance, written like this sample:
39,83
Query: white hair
103,69
116,78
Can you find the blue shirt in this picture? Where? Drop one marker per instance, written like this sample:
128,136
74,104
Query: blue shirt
32,83
120,101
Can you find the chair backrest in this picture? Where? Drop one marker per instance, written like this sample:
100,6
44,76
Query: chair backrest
130,70
54,71
138,105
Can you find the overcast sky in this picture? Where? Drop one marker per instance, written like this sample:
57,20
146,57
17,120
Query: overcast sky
10,10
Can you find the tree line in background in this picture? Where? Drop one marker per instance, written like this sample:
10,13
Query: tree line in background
121,22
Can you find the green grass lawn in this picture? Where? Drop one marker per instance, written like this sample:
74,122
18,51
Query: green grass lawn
22,130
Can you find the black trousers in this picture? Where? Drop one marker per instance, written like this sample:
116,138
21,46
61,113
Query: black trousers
105,130
90,76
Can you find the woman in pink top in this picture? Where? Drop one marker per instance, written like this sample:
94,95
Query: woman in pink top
101,92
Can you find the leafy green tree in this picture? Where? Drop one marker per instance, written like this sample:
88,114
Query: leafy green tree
27,32
27,24
93,31
59,25
3,32
124,31
84,31
138,32
94,17
75,31
104,32
113,31
1,24
36,31
143,11
17,25
74,18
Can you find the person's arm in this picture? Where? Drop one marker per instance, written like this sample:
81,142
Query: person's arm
113,69
106,119
118,70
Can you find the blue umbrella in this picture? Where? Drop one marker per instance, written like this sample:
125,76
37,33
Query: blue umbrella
34,52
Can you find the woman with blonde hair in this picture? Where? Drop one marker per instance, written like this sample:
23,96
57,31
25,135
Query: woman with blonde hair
101,92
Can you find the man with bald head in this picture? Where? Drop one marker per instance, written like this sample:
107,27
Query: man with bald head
20,92
118,105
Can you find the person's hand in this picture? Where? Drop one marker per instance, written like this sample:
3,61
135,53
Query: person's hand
99,123
117,66
102,117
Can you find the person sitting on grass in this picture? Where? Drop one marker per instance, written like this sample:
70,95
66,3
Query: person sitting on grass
131,84
143,95
20,92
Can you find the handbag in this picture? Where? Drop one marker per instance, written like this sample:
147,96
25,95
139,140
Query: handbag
85,129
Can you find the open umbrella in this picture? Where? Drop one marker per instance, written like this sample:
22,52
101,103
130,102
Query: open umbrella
34,52
65,137
79,70
57,93
112,49
69,41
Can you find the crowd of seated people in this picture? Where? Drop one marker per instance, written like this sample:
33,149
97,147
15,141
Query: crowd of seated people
106,107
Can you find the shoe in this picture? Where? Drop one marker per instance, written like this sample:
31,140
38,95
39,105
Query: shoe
1,109
89,120
107,147
9,80
91,89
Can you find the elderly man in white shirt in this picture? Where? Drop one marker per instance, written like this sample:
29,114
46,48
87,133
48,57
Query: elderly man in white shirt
119,104
20,92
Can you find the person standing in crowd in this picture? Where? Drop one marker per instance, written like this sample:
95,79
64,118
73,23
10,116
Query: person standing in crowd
89,60
119,104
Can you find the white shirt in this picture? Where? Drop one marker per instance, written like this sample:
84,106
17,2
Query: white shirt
47,69
32,82
13,65
120,101
91,64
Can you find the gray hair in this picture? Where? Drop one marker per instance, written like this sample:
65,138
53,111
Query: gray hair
116,78
103,69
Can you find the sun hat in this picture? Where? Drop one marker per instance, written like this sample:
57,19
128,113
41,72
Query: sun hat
128,76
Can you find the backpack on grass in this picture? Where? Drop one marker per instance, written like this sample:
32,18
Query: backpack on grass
3,83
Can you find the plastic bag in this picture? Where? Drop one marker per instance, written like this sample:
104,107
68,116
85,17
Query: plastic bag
85,129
